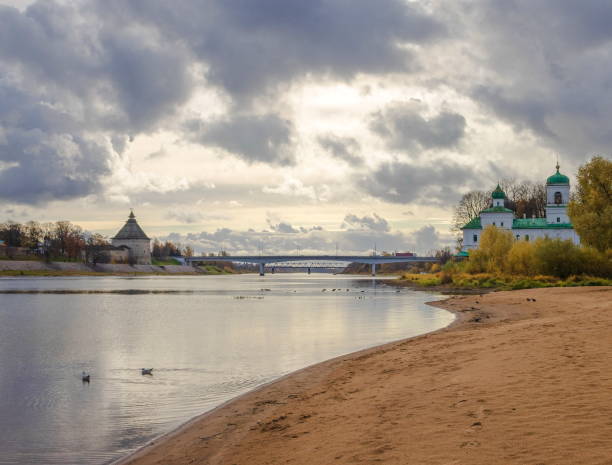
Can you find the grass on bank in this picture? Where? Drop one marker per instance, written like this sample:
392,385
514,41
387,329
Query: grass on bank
69,273
499,281
214,269
168,261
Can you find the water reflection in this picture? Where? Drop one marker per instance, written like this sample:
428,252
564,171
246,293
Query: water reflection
208,339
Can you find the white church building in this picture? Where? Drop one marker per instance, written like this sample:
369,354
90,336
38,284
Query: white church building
556,223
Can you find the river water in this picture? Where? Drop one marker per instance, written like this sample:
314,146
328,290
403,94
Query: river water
208,338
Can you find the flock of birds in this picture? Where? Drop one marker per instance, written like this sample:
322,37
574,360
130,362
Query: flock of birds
348,290
86,377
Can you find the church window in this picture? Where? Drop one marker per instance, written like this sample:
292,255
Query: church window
558,198
475,237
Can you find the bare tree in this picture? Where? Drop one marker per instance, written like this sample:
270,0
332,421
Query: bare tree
469,207
188,251
32,235
526,199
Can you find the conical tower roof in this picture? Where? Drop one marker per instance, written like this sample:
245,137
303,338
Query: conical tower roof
498,193
131,230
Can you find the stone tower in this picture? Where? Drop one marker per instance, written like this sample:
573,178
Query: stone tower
132,236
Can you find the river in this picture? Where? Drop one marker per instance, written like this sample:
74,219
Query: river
208,339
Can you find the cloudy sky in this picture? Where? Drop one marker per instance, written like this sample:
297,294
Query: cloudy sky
292,124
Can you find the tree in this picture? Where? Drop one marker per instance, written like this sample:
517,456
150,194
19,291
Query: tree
521,259
493,251
590,209
526,199
95,249
157,248
12,234
444,255
32,235
469,207
188,251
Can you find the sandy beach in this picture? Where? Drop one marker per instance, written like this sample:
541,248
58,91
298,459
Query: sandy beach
522,377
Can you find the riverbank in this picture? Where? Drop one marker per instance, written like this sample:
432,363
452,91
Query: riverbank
39,268
487,282
521,377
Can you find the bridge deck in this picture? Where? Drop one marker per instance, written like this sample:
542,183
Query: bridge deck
262,260
369,259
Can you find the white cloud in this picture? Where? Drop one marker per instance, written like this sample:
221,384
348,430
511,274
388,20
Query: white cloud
292,187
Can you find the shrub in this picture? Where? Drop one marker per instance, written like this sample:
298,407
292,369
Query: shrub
446,277
557,257
521,259
595,263
493,251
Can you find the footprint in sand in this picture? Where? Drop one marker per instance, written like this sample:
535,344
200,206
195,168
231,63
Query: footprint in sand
470,444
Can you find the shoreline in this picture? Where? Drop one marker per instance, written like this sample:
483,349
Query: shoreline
442,397
36,268
157,441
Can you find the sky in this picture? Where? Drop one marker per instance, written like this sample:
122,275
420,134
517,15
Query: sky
292,126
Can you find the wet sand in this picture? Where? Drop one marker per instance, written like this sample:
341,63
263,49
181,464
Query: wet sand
512,381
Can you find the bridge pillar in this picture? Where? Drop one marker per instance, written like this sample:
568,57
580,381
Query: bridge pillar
261,269
373,269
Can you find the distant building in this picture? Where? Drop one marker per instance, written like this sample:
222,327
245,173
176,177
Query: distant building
556,223
97,254
132,236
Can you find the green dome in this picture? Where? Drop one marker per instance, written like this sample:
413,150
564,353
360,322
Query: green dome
498,193
558,178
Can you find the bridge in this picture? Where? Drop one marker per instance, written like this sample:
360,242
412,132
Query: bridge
264,260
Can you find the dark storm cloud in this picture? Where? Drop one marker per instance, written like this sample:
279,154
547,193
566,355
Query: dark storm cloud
117,78
149,78
73,87
115,69
45,156
261,138
406,183
343,148
403,128
548,66
50,166
252,47
79,79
